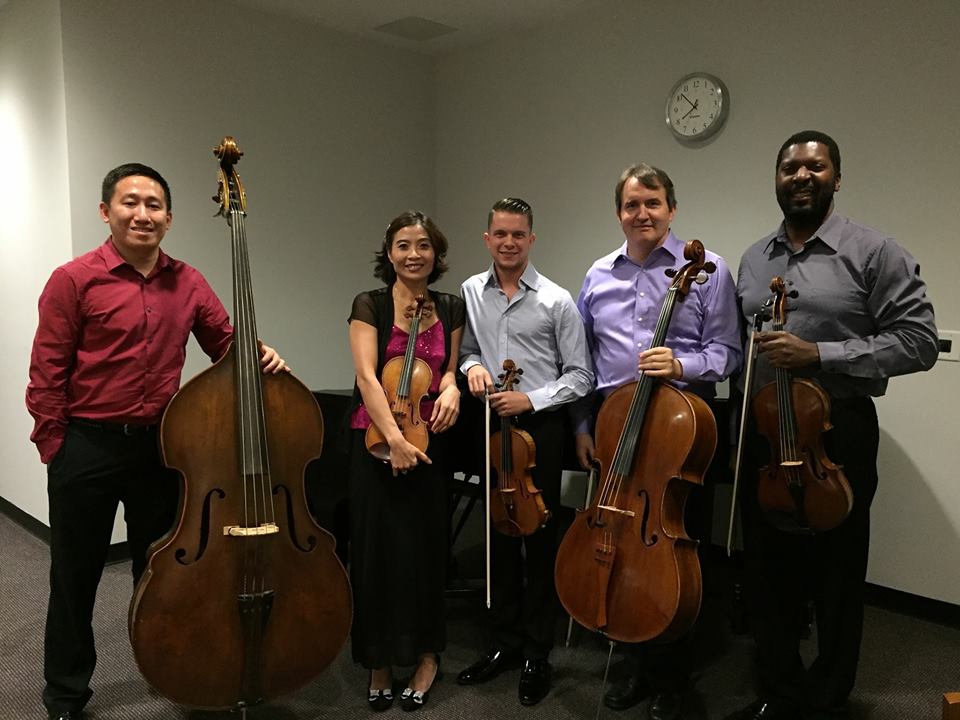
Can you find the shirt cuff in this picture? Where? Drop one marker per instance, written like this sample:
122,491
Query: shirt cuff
467,364
693,367
539,399
832,358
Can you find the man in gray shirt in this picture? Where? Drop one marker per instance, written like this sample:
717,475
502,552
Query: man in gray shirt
515,313
860,316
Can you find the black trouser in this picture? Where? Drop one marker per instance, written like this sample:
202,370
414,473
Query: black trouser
94,470
784,570
524,601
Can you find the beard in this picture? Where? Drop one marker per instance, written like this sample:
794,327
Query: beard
806,213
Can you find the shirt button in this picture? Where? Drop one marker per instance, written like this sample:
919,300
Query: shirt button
642,295
639,319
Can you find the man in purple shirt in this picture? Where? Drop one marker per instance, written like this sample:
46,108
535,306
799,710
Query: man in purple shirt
620,302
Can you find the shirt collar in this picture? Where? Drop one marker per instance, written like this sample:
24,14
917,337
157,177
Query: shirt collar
671,244
828,233
114,259
530,277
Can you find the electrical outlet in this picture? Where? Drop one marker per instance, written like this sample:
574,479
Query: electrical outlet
949,345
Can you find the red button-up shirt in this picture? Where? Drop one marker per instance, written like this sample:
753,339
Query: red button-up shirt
111,344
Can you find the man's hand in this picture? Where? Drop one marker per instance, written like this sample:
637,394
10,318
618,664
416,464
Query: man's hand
510,403
479,381
784,350
659,362
270,361
585,450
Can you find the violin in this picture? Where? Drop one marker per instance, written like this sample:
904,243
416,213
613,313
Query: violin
245,600
516,504
406,381
626,566
801,490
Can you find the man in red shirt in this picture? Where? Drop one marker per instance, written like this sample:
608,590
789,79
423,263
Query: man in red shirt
107,357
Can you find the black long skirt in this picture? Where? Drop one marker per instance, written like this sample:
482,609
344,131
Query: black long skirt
398,557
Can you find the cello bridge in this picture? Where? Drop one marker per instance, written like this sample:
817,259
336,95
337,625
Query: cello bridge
268,528
610,508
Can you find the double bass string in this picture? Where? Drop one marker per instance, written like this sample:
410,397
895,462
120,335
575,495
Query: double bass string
255,468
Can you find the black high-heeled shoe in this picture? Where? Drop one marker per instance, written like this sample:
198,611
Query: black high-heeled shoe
412,700
379,699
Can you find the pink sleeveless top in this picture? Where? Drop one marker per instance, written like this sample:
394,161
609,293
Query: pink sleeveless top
430,349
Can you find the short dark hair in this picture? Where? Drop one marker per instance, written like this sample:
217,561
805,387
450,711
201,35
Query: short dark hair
650,177
514,206
383,268
120,172
805,136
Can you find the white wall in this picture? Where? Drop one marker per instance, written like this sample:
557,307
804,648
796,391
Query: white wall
555,115
34,220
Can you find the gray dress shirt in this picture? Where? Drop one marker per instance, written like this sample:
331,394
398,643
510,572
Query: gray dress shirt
539,329
860,299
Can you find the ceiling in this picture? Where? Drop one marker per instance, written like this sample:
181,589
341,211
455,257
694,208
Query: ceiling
473,21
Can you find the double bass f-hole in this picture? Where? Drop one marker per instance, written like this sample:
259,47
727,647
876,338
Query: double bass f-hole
516,504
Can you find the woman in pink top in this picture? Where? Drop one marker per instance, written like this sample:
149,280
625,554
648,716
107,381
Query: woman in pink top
398,510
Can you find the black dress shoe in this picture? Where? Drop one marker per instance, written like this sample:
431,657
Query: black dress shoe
626,692
665,706
762,710
488,667
534,681
412,700
67,715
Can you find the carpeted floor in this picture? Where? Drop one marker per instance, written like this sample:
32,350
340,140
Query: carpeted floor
907,664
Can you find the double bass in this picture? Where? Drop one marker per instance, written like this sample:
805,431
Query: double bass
245,600
801,490
626,566
406,381
516,504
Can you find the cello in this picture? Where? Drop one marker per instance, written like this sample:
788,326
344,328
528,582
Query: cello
800,490
406,381
245,599
516,504
626,566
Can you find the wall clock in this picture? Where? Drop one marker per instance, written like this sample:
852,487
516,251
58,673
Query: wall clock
697,106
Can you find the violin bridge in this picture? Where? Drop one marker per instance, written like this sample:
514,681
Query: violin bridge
610,508
240,531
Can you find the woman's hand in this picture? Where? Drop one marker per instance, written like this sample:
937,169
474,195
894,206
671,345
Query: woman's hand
446,410
405,456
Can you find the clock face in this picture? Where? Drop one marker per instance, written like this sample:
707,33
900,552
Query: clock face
697,106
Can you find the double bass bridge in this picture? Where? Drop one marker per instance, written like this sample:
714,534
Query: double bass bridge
267,528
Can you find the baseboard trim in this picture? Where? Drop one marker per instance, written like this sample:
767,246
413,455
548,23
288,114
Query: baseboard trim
917,606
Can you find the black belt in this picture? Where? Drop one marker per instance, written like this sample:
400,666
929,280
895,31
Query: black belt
128,429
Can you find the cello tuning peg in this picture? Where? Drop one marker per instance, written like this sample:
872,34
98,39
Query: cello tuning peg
670,272
701,278
519,371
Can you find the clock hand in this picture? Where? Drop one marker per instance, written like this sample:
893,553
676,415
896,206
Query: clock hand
688,99
691,110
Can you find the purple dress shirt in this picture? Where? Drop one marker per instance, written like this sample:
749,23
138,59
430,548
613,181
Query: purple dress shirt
620,303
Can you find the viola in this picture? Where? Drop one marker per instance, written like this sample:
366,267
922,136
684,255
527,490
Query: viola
801,490
626,566
245,600
516,504
406,381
